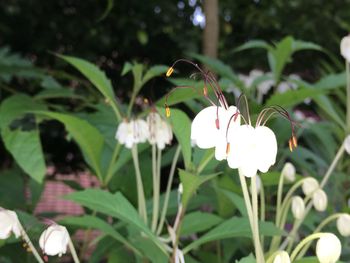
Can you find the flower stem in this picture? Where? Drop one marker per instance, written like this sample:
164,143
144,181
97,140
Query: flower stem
156,163
262,210
347,96
279,198
303,243
251,216
168,189
73,251
30,244
318,229
140,192
110,171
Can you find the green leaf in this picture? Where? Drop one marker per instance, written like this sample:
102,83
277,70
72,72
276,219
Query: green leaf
325,104
87,136
281,55
249,259
233,227
154,72
252,44
24,145
181,126
302,45
237,200
115,205
88,221
198,221
190,183
57,93
94,74
110,4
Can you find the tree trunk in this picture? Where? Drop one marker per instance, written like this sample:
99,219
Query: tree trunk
211,30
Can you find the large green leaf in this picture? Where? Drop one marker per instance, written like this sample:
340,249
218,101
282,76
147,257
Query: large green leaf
253,44
198,221
191,182
87,136
154,72
115,205
23,143
233,227
248,259
181,126
237,200
88,221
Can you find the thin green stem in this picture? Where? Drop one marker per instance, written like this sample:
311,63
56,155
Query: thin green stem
303,243
116,110
256,235
110,173
318,229
73,251
279,198
262,210
131,103
154,177
347,96
168,188
30,244
205,162
140,192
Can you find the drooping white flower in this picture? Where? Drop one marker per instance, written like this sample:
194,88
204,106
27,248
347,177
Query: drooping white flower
328,248
132,132
160,132
319,200
288,172
282,257
9,223
310,185
210,126
345,48
343,225
298,207
252,149
54,240
347,144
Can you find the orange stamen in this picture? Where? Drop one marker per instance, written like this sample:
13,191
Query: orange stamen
295,142
167,111
228,148
290,145
205,91
169,72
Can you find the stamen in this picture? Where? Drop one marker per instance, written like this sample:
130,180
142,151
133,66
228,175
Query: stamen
169,72
167,111
295,142
217,123
205,91
228,148
290,145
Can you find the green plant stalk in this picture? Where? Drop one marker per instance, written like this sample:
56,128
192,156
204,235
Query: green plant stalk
140,192
303,243
73,251
279,198
256,235
251,217
205,162
262,210
131,103
109,175
347,96
116,110
156,166
30,244
290,239
318,229
168,189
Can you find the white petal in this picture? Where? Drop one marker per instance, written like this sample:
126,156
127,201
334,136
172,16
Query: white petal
345,48
328,248
54,240
266,147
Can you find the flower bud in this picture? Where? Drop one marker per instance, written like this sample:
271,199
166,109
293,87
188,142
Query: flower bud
298,207
282,257
320,200
345,48
310,185
9,223
54,240
347,144
288,172
343,225
328,248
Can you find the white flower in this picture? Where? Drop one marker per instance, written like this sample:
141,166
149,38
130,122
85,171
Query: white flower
328,248
9,223
133,132
160,132
298,207
345,47
347,144
343,225
319,200
282,257
288,172
252,149
310,185
209,129
54,240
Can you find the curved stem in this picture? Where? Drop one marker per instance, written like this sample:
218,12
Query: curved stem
140,192
303,243
168,188
30,244
318,229
73,251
